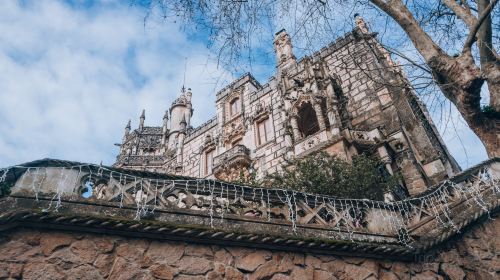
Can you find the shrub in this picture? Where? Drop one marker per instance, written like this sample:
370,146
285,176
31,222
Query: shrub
321,173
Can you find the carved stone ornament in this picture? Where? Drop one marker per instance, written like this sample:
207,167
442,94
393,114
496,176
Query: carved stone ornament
234,130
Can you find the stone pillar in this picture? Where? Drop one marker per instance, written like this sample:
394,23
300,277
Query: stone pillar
333,117
295,128
319,116
385,158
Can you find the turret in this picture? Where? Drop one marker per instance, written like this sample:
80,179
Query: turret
283,49
180,115
141,120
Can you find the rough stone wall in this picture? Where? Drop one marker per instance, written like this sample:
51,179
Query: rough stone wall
33,254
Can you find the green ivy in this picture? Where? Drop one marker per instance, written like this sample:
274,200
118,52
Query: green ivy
321,173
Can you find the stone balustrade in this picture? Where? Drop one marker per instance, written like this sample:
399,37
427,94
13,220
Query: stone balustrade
248,214
237,155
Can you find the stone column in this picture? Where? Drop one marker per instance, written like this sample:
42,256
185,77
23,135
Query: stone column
385,158
319,116
295,128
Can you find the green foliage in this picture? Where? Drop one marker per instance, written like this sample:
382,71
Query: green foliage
489,111
322,173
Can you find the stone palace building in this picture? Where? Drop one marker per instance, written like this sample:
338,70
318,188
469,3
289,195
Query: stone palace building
346,99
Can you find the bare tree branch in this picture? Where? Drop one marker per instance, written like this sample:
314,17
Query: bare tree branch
471,38
461,12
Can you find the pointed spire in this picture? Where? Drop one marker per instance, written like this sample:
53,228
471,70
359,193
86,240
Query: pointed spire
165,122
141,119
127,130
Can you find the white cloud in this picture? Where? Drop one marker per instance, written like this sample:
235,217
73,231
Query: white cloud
71,78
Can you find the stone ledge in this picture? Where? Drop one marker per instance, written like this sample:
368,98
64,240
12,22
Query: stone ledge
116,222
178,220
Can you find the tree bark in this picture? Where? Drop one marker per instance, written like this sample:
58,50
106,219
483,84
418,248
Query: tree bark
459,78
488,59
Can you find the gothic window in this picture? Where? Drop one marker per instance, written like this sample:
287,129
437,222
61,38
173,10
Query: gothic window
209,158
234,106
307,121
263,131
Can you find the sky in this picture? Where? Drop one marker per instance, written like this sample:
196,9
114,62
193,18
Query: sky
74,72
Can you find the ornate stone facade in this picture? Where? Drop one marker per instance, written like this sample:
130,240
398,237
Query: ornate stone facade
346,99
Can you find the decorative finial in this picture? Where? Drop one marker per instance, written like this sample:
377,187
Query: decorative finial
184,79
141,120
165,116
127,131
188,95
360,23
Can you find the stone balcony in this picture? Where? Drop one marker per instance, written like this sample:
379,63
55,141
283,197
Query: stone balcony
236,158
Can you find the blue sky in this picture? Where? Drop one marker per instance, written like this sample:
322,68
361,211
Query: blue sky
74,72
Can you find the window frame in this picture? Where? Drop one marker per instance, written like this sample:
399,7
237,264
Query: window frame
258,123
237,107
206,164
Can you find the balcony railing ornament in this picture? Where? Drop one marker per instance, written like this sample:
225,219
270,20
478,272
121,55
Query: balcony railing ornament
150,192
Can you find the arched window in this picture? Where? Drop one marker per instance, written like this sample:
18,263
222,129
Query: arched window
234,106
307,120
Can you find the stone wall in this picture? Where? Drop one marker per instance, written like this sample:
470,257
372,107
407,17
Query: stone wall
34,254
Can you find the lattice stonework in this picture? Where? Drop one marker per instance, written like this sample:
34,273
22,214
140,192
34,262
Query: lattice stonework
401,219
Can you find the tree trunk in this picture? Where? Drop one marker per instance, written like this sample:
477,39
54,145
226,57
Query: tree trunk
489,63
460,81
489,136
459,78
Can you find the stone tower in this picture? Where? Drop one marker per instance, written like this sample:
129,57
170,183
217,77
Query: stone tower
346,99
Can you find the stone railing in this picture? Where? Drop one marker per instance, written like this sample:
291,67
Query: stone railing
237,155
414,224
201,128
151,160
